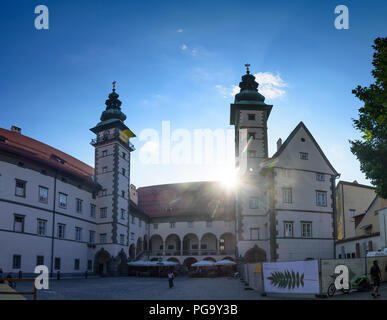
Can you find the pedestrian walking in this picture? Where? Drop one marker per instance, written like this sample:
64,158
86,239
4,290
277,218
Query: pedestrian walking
171,276
376,277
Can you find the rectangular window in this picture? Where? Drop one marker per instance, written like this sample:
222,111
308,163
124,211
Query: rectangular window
254,203
254,233
42,227
133,219
132,236
103,193
321,198
16,263
89,265
104,153
104,169
122,238
190,224
209,224
39,260
288,229
123,193
102,238
124,155
76,264
123,171
79,205
351,212
123,214
251,135
252,154
62,200
203,246
103,212
306,229
92,210
43,194
251,116
155,226
78,234
195,246
287,196
61,230
320,177
57,263
303,156
92,236
20,188
18,224
172,225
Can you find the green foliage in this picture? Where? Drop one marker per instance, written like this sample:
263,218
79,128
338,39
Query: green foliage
287,279
372,149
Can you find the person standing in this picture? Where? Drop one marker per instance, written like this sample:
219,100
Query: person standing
376,277
171,276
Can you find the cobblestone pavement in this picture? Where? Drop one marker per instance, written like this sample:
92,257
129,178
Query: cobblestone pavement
132,288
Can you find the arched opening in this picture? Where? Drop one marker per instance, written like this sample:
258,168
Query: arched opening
174,260
228,258
156,245
255,254
122,263
172,245
209,244
139,246
190,244
102,262
188,261
132,251
227,243
209,259
145,243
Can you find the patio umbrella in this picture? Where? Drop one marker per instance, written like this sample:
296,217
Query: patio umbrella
203,263
225,263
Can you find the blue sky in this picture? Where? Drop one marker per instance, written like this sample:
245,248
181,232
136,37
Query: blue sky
178,61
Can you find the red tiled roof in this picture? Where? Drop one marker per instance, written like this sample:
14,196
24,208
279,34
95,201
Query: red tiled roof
36,150
187,199
358,219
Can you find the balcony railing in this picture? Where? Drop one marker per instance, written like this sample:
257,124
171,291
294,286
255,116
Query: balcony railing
109,137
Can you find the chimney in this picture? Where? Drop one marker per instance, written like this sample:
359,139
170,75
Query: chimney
16,129
279,143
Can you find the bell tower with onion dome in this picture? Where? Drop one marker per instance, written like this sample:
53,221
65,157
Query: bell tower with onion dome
112,172
249,114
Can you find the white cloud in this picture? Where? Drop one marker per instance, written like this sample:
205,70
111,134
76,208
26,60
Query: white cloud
180,30
183,47
270,85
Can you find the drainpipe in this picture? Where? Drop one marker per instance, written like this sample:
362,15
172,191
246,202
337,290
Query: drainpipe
53,227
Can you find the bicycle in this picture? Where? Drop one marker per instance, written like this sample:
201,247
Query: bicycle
332,287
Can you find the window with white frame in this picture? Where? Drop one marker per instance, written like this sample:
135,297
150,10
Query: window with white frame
288,229
104,169
287,196
304,156
122,238
103,212
102,238
92,210
320,177
62,200
254,233
172,225
61,230
78,234
321,198
351,212
306,229
104,153
20,188
79,205
18,223
254,203
42,227
92,236
43,194
155,226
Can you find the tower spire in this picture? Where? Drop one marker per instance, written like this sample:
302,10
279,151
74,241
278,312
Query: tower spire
247,65
114,86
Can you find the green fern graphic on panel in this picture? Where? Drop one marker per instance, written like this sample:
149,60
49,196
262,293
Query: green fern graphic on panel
287,279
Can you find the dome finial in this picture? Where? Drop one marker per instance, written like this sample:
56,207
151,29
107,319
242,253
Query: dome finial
114,86
247,65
